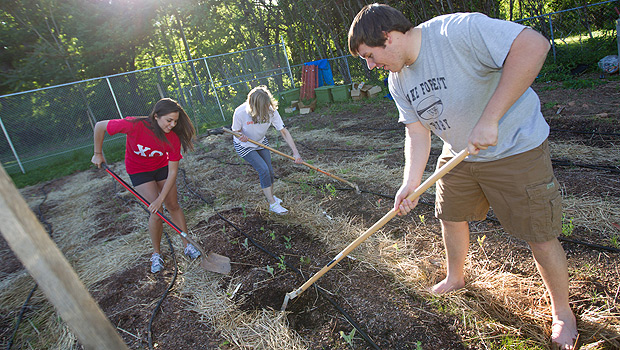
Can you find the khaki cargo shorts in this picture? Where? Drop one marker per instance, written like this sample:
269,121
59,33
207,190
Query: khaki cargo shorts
521,189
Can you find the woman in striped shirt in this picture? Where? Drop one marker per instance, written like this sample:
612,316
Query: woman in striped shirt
252,120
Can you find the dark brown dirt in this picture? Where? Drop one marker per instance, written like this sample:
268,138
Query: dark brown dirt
393,319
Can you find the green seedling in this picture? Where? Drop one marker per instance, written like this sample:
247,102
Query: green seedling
287,244
306,188
567,226
348,337
269,269
615,241
272,235
304,260
481,243
246,244
421,217
223,229
281,263
332,189
245,214
234,241
121,218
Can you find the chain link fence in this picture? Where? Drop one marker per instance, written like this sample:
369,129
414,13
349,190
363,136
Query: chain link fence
44,125
51,124
592,22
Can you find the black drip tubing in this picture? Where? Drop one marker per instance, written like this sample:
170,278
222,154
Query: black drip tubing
318,288
490,218
170,285
161,300
48,227
609,168
586,132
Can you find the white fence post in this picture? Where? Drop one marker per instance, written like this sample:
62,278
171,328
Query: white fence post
114,97
214,89
8,139
287,62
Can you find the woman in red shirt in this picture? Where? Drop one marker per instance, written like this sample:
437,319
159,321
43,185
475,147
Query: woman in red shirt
152,155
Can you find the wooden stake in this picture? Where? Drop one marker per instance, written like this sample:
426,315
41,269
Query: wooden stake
55,276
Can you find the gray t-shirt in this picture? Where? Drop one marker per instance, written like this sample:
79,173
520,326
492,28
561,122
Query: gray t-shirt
453,79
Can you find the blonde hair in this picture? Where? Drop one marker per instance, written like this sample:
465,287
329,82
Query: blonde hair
261,104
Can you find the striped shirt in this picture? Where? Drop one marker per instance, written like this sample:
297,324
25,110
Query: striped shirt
243,151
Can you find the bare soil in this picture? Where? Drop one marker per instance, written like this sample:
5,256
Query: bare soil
392,316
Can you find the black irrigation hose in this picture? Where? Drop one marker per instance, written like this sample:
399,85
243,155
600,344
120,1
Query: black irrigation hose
21,315
556,162
591,245
293,268
48,227
161,300
170,285
574,241
561,238
609,168
586,132
348,150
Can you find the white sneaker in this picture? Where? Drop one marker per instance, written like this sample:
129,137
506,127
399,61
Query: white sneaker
278,200
277,208
191,251
157,263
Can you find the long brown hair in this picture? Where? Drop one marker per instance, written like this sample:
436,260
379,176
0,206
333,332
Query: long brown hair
261,104
184,127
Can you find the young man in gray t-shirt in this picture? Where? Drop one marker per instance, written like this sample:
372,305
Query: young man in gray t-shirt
466,78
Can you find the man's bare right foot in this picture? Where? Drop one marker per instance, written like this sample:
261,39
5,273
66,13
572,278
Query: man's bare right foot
446,286
564,333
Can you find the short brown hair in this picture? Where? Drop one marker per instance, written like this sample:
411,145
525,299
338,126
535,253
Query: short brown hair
371,24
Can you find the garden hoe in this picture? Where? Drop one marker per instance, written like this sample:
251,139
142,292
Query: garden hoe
439,173
354,186
211,262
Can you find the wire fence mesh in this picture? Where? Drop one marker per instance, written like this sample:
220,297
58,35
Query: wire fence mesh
592,22
55,124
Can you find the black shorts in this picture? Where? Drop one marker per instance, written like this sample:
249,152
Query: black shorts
147,176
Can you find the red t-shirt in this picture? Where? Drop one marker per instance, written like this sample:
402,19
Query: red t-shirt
144,151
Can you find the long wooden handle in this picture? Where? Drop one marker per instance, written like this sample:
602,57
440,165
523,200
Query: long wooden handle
147,204
384,220
53,273
293,158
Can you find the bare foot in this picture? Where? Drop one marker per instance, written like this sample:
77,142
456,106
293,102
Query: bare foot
564,333
446,286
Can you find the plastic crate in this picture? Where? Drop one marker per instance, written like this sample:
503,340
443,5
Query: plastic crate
324,94
340,93
288,96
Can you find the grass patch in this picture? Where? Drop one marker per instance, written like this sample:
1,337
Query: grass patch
64,165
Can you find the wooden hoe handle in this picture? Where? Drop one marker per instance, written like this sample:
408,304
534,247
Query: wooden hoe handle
293,158
385,219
